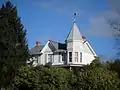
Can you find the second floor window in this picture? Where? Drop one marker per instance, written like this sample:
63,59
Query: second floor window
76,56
70,56
80,56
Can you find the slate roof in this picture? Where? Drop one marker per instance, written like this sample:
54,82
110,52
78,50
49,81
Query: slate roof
36,50
58,46
74,34
54,46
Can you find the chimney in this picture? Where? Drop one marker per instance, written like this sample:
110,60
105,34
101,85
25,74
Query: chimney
37,43
84,38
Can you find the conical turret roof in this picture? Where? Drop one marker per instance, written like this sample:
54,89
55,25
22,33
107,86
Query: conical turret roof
74,34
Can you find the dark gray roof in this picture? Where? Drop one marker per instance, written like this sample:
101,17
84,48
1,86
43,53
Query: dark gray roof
57,46
36,50
54,46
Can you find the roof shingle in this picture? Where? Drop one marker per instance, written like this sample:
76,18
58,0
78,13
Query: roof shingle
36,50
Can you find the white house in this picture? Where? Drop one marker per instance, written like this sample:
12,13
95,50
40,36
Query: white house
76,51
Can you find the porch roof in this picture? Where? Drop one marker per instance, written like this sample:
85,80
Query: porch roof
60,50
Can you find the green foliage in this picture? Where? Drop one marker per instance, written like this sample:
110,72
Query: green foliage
51,78
115,66
98,79
95,63
43,78
13,43
98,76
26,78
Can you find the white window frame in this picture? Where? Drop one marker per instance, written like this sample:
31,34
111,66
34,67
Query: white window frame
50,58
80,56
76,56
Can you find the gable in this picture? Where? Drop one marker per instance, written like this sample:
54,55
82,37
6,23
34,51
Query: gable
47,48
88,49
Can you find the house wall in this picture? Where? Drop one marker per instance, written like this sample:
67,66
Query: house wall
87,58
89,49
69,49
56,58
77,46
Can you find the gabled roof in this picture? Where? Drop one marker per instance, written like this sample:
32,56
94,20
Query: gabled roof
36,50
54,46
88,49
74,34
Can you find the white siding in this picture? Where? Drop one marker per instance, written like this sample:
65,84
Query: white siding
77,46
69,49
87,58
58,59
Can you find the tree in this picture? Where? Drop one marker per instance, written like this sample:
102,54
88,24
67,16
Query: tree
98,79
52,78
115,66
43,78
98,76
13,43
26,78
115,25
95,63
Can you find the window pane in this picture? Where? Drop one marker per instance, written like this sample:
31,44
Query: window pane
63,57
45,58
59,57
49,57
70,56
80,56
76,56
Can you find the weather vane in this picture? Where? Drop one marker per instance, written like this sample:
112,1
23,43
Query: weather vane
74,17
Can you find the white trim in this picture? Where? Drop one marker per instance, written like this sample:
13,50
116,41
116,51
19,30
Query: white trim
42,51
89,46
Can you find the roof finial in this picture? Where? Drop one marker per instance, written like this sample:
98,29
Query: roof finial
74,17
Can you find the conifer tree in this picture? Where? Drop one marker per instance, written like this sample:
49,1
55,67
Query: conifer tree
13,43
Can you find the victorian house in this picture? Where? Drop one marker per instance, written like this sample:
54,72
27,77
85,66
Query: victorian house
75,51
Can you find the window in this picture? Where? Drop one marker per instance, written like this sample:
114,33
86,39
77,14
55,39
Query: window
49,57
45,58
59,57
36,58
80,56
63,57
70,56
76,56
